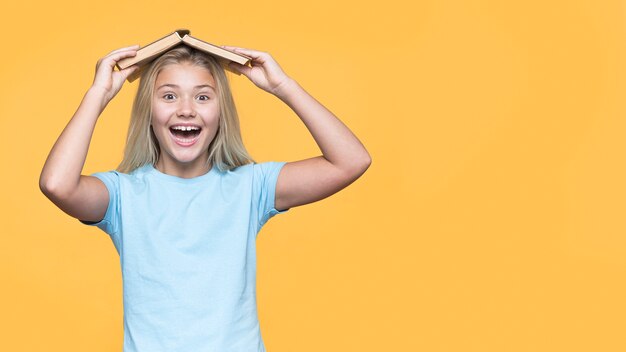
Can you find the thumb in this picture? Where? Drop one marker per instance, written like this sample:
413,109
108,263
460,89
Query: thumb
240,68
129,71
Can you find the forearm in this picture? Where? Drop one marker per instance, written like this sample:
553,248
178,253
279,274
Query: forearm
337,143
62,169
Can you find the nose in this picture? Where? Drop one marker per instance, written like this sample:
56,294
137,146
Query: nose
186,108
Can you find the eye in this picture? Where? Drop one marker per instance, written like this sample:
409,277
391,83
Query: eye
204,97
168,96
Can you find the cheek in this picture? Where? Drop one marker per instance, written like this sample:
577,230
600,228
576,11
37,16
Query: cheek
212,113
160,113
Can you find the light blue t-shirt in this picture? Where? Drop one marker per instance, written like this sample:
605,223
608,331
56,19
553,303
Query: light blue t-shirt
188,255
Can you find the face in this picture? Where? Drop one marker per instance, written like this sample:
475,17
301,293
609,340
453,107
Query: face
185,116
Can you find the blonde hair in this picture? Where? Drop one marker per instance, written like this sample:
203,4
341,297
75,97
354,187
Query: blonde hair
226,151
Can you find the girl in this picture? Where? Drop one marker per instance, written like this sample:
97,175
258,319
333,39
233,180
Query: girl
185,205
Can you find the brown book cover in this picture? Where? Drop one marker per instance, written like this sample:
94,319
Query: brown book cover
153,50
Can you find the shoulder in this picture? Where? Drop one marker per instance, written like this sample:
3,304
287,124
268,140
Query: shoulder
257,172
268,167
246,170
114,177
242,169
266,173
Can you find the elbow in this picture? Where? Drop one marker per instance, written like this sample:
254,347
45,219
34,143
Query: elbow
366,165
366,162
52,189
355,167
47,188
359,168
44,185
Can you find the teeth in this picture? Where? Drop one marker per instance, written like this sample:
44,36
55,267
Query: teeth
185,140
185,128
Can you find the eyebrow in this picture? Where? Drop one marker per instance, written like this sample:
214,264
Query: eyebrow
176,86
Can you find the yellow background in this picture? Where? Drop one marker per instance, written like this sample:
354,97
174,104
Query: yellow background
492,217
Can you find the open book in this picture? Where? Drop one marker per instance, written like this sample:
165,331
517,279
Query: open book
153,50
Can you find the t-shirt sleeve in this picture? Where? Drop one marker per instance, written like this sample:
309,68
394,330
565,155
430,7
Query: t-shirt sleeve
265,177
111,221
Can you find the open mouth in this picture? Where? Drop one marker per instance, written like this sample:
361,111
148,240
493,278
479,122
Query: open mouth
185,134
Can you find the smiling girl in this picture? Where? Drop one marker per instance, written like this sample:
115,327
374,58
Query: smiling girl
185,205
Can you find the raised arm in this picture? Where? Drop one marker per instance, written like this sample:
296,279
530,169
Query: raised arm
344,158
83,197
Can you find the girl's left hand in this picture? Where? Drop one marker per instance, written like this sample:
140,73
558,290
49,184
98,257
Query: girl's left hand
265,72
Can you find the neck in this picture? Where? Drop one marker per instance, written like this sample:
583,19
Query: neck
183,170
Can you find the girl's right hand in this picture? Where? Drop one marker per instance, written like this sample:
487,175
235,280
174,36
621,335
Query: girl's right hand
107,78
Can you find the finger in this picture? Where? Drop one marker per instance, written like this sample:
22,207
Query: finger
112,59
255,54
240,68
132,47
228,47
129,71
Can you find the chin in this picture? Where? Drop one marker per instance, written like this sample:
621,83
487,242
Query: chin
188,159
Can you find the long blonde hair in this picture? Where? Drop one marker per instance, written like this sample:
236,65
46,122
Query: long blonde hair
226,151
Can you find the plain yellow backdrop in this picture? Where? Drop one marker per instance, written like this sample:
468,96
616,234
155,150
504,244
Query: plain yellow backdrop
492,217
